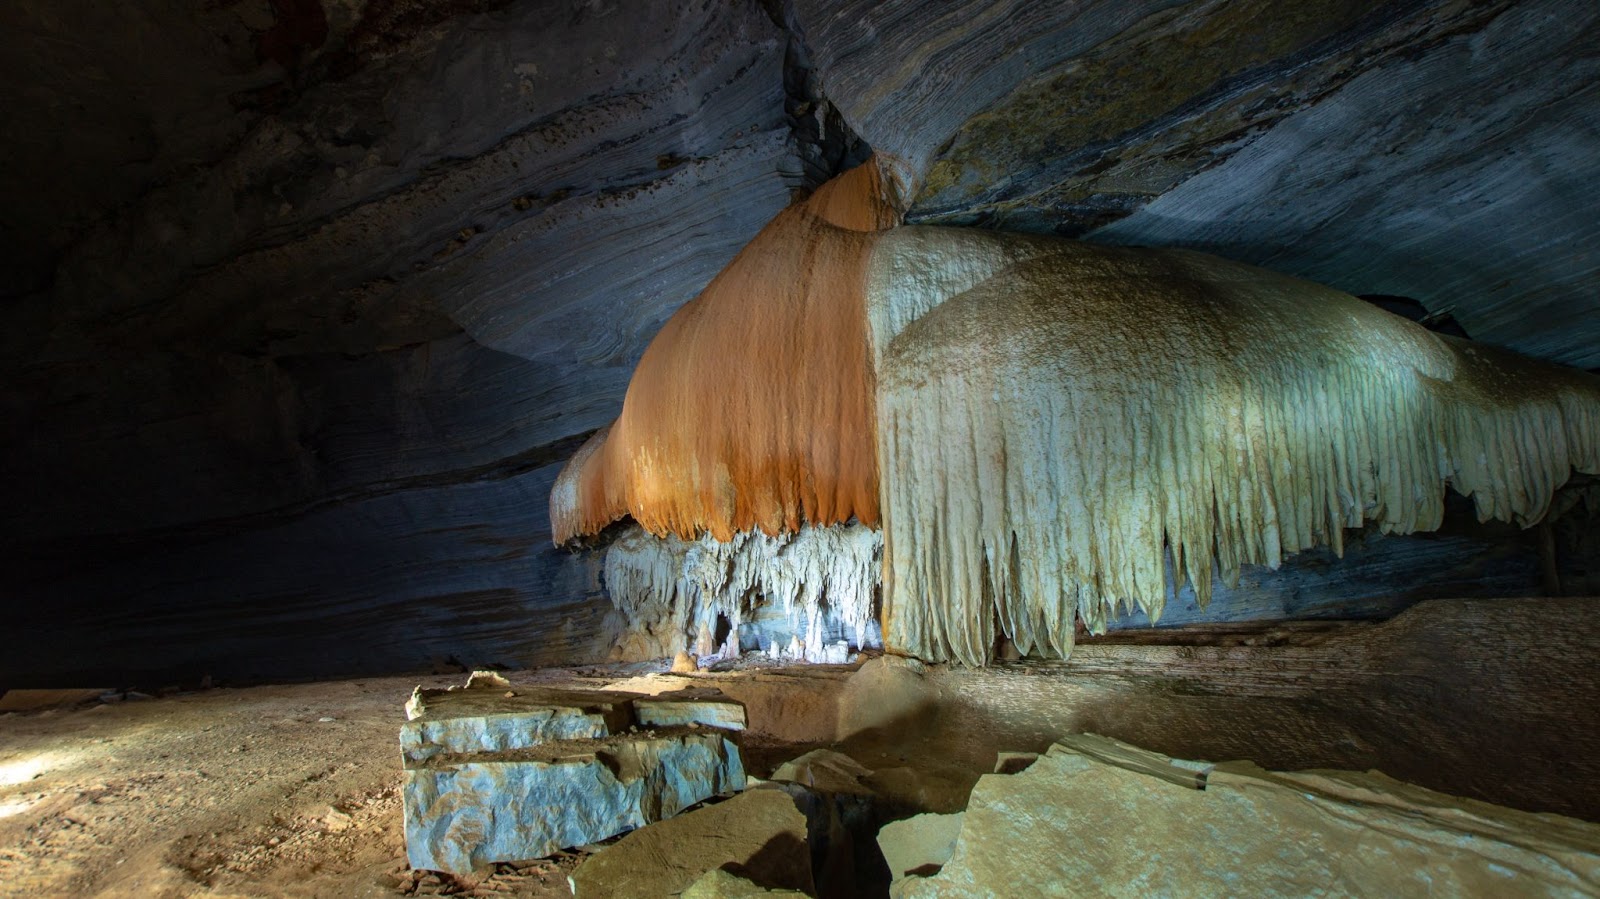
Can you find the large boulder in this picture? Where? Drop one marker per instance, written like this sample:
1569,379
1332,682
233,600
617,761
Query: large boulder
495,775
758,836
1107,821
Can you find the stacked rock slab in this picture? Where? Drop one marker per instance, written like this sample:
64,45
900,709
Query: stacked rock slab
497,774
1094,817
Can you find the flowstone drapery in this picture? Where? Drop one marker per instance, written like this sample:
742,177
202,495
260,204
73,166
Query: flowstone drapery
1048,421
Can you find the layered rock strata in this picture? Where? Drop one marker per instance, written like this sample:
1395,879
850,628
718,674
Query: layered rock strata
503,775
1136,822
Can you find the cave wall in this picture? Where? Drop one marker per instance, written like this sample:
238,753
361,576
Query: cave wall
307,299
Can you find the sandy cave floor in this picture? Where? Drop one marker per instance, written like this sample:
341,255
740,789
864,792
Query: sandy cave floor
293,790
261,791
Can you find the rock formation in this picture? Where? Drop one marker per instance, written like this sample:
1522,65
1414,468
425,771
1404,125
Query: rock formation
1052,419
1094,817
306,302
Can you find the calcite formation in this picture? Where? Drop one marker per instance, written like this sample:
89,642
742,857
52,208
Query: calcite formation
494,775
1051,421
1094,817
672,594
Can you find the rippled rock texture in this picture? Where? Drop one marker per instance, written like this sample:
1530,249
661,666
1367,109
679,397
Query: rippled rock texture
289,402
306,300
1430,149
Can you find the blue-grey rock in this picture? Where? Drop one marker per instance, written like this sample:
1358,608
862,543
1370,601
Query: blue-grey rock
1427,149
456,722
466,811
703,708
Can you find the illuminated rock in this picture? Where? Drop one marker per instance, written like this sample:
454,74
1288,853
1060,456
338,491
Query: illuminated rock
1080,823
497,775
1052,422
919,845
760,835
448,722
467,811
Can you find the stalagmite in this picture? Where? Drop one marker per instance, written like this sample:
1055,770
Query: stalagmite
1042,424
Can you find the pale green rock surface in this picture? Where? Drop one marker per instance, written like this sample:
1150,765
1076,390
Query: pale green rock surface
918,842
466,811
1074,824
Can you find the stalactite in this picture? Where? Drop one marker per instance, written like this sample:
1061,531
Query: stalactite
1041,425
1054,417
669,591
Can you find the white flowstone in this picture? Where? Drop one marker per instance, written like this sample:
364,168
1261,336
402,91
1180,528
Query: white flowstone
669,593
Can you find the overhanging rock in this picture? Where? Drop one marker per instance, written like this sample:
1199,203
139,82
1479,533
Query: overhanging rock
496,775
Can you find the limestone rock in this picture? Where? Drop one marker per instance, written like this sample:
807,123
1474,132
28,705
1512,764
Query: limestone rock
1251,141
919,843
706,708
1079,823
466,811
466,721
825,771
883,694
423,310
759,835
684,663
720,884
501,775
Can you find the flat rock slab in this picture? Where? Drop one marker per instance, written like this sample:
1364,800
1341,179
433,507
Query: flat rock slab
1080,823
826,771
707,708
759,836
920,844
496,719
465,811
499,716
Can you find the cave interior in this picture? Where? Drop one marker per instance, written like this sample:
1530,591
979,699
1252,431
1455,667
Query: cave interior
936,378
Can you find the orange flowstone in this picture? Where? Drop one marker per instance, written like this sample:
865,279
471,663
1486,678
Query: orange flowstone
754,406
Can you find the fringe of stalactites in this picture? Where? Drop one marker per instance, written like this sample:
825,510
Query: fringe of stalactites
1055,417
669,592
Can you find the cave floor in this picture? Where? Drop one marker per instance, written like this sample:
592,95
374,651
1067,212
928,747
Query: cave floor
293,790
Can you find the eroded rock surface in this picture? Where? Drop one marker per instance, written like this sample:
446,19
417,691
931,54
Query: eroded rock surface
759,835
495,774
1079,822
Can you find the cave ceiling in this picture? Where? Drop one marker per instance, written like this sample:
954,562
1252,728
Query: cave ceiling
309,299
